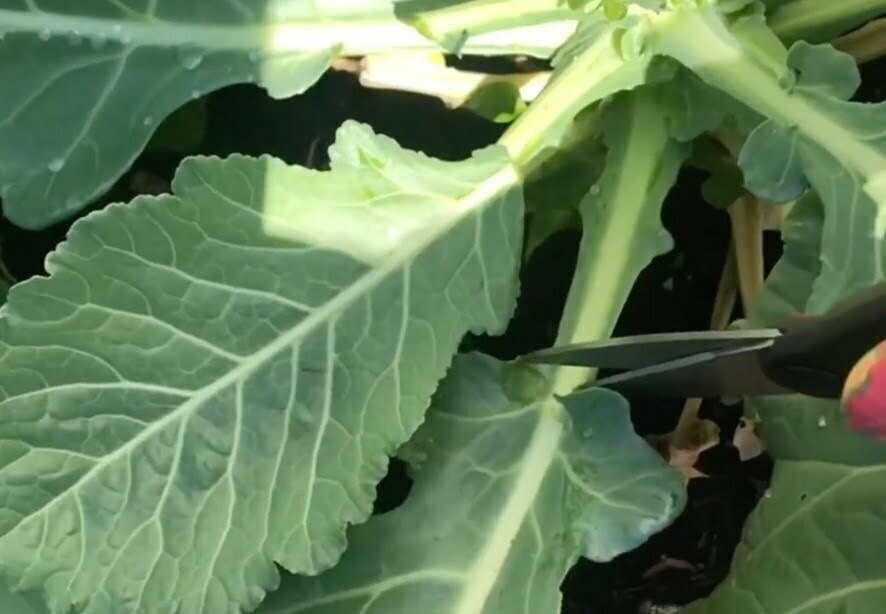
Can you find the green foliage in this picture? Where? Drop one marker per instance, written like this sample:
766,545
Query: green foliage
815,530
209,384
507,495
229,359
130,67
58,151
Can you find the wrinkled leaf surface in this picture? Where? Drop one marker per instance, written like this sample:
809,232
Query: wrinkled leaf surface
211,382
511,487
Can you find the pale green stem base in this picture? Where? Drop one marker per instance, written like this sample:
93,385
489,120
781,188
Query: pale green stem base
596,73
621,231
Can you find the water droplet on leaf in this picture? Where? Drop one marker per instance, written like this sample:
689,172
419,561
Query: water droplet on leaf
822,422
195,94
595,189
190,58
44,34
148,120
56,165
768,494
587,432
254,56
118,33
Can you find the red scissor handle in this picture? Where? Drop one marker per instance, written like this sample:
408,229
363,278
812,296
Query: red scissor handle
864,393
815,354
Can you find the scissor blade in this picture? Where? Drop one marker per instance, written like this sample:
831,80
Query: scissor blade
648,350
728,372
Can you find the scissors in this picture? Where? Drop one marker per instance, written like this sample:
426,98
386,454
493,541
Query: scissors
810,355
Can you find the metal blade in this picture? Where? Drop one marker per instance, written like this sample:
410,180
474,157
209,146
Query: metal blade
647,350
729,372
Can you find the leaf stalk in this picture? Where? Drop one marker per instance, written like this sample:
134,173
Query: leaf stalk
589,77
621,229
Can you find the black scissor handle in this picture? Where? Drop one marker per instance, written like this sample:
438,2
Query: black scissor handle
815,354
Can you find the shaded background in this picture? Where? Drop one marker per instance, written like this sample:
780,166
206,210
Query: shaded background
675,292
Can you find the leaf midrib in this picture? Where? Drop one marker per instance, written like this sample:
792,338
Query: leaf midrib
284,36
348,34
540,452
324,315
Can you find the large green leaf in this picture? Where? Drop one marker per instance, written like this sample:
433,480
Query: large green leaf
209,383
814,544
85,84
511,487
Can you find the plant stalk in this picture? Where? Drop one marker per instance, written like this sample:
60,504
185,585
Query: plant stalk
622,229
594,74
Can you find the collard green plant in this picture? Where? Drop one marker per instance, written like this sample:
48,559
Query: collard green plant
208,385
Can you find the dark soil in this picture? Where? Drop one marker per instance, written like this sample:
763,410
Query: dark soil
675,293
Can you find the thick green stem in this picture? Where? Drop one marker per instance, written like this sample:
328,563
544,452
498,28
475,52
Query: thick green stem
802,18
596,73
622,229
